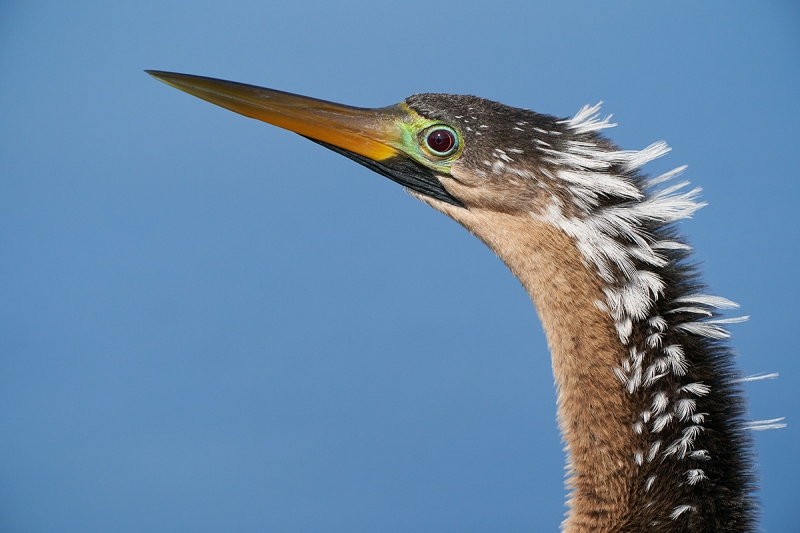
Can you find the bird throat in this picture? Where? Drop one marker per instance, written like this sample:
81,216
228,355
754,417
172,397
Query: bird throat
594,411
646,451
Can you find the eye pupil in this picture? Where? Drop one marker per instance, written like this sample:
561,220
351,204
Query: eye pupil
441,141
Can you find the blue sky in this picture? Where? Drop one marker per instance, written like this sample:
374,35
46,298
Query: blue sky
210,324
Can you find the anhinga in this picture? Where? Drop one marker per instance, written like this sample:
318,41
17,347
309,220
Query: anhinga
648,402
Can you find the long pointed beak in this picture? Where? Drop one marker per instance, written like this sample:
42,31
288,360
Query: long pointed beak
371,133
377,138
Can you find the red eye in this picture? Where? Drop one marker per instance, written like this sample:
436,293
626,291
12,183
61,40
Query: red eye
441,141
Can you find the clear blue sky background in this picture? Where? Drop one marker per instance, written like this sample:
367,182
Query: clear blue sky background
209,324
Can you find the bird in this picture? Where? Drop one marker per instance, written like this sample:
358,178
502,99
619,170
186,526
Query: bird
648,398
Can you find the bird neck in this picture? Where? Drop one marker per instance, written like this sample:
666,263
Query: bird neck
667,456
593,409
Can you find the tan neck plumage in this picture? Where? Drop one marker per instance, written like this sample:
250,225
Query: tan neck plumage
594,409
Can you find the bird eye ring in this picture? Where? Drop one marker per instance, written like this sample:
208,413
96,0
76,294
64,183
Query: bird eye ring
441,141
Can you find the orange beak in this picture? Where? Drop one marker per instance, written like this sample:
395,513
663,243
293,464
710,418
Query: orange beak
372,133
381,139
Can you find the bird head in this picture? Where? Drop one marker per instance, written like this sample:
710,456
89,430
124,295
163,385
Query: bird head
454,152
532,187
